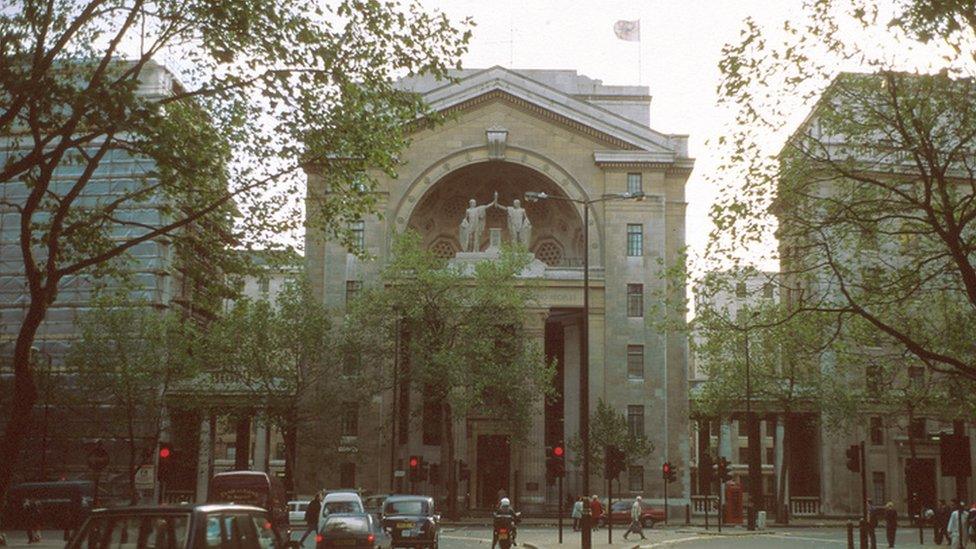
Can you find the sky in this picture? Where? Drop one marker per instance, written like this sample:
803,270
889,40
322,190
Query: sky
677,58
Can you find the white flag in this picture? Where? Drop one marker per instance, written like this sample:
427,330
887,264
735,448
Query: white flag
627,30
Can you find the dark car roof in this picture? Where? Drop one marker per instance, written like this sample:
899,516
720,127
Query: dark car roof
409,498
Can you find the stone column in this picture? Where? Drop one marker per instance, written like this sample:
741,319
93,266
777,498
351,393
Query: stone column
261,433
779,438
204,456
530,463
242,442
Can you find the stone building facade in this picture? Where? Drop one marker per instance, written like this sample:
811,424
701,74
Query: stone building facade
572,137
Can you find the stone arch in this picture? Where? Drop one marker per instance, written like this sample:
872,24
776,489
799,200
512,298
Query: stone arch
442,168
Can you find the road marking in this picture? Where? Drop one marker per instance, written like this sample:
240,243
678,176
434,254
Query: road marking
805,538
675,541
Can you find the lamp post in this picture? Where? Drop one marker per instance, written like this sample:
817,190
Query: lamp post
752,431
584,375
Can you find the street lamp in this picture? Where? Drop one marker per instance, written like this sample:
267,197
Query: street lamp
584,376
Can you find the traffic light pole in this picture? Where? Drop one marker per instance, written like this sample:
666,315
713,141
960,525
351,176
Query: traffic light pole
666,482
560,508
721,486
864,483
609,511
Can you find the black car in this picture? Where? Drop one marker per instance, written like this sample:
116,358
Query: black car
352,530
179,527
412,521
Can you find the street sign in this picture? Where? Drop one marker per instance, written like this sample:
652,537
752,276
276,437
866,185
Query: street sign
97,458
145,477
399,473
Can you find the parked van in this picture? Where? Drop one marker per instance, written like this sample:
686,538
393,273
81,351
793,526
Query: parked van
63,505
251,488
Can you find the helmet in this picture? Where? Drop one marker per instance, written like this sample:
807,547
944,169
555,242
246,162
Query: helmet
505,503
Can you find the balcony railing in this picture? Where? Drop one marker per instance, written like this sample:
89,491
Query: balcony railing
800,506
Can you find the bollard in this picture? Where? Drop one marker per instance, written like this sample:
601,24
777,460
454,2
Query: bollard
850,535
687,515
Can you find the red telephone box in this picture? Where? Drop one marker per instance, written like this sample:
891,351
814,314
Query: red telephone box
733,503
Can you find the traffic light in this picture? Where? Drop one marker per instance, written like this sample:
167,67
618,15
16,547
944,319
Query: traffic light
614,462
165,463
668,472
555,462
724,475
854,458
416,463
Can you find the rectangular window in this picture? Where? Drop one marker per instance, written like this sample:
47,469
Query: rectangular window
872,379
743,454
635,420
635,478
916,429
770,456
740,289
635,300
358,229
916,376
264,286
635,183
878,484
349,422
635,362
877,432
768,290
352,290
635,239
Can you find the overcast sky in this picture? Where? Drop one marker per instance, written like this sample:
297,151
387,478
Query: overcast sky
681,43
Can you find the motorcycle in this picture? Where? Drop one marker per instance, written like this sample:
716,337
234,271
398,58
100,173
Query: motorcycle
505,529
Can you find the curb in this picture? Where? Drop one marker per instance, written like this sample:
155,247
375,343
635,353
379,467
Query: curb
732,533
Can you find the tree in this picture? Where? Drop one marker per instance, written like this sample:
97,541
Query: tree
608,427
465,343
266,87
291,357
126,357
872,199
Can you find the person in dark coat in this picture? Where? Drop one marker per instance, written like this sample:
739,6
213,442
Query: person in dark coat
312,516
939,521
872,525
891,523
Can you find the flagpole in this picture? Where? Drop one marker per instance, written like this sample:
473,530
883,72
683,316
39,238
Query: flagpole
640,62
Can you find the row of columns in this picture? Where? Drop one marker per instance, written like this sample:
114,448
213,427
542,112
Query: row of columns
261,459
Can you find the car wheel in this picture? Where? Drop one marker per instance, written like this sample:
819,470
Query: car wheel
648,523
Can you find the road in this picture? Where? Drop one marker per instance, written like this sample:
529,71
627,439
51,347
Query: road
479,537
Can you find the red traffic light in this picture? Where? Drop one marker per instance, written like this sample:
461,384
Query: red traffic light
667,468
414,462
165,452
558,451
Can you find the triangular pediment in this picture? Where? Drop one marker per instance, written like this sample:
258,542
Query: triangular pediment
520,89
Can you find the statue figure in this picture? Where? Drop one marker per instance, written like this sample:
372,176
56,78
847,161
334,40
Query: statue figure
519,227
473,224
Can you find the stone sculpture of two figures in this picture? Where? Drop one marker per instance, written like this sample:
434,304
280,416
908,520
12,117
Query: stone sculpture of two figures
473,224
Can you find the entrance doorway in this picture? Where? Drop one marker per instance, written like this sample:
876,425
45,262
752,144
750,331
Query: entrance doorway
924,484
494,463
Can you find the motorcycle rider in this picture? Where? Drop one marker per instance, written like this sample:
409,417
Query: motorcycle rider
505,509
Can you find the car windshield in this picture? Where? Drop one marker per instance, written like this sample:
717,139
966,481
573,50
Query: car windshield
301,507
353,525
342,507
406,507
135,531
622,505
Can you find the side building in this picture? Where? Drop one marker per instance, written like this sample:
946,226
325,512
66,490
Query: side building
511,132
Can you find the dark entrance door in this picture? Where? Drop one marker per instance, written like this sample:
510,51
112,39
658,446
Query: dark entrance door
494,458
924,482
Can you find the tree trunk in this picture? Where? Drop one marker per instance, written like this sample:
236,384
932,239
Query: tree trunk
24,395
291,447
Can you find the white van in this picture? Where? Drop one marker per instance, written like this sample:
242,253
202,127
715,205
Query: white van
340,502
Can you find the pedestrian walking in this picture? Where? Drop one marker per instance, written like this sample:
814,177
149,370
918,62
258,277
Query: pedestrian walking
939,521
872,525
891,523
636,526
32,514
596,511
578,513
956,528
312,516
